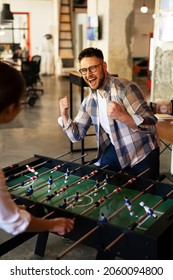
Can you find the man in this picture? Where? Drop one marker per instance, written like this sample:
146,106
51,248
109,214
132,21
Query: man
124,124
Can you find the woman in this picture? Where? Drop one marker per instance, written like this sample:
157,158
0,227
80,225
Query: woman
13,218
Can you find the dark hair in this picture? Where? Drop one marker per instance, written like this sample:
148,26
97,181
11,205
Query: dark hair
12,85
89,52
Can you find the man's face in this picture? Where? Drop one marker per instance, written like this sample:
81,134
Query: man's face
96,71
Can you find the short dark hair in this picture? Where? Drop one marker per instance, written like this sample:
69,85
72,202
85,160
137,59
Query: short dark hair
89,52
12,85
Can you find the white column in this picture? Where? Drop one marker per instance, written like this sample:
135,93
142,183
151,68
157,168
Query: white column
116,18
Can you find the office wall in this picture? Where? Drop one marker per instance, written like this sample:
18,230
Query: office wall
162,72
117,34
144,24
80,34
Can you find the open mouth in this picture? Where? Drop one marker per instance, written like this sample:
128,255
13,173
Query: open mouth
92,81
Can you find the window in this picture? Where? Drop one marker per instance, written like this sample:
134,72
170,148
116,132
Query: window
14,36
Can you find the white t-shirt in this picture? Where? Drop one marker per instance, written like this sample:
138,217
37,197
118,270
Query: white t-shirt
12,219
103,117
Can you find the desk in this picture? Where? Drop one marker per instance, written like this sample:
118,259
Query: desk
15,63
76,78
165,131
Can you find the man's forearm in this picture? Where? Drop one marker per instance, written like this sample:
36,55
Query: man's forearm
65,119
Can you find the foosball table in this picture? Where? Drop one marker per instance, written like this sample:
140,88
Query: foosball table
117,214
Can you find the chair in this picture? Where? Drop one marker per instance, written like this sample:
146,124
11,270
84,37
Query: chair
28,69
37,60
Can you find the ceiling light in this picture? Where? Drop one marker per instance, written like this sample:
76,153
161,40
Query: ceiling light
144,9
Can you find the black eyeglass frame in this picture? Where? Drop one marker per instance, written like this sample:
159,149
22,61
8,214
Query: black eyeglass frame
91,69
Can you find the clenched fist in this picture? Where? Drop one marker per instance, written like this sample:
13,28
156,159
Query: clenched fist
64,106
114,110
117,112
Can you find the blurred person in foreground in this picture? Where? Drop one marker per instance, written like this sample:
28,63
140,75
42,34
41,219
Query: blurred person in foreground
14,219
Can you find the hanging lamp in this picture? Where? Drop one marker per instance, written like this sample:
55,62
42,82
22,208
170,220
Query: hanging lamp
6,14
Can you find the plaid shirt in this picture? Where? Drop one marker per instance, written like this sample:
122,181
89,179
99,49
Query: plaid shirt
131,146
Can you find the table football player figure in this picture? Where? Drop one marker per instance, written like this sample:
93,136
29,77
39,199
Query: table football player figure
31,169
64,204
103,218
50,183
67,174
129,205
148,209
29,191
97,186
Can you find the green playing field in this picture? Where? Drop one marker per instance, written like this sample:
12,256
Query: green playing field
88,197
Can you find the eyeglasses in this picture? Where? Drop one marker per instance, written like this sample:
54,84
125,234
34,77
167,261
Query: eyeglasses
91,69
